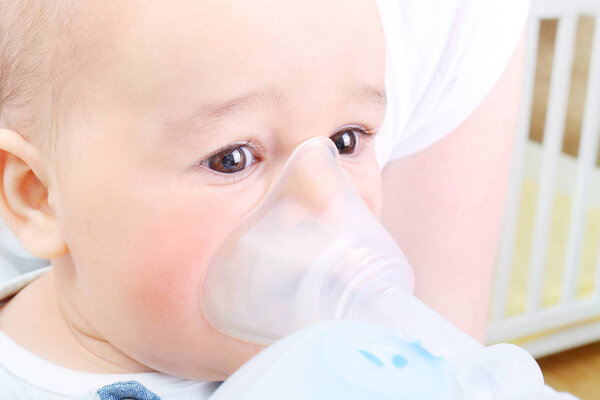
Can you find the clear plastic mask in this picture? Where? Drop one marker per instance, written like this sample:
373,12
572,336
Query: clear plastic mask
312,251
301,255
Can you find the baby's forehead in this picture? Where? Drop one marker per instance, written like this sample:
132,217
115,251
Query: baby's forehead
145,50
227,48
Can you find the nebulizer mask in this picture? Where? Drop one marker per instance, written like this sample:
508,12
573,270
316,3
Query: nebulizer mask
313,252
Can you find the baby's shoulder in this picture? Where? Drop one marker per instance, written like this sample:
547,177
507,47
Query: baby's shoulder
12,286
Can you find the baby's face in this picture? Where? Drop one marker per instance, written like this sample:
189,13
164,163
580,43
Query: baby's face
184,131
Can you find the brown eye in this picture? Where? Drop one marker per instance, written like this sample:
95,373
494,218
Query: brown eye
345,141
231,160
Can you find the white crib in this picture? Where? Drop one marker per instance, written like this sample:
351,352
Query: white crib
574,318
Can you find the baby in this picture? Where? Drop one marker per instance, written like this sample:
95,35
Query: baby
134,138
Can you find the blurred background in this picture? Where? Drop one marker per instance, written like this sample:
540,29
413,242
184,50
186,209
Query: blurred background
547,287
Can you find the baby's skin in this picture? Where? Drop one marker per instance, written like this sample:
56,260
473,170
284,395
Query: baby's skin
187,112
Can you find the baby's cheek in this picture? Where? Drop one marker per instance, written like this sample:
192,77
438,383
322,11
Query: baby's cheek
163,292
172,251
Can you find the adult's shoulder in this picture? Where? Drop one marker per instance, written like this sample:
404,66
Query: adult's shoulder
443,58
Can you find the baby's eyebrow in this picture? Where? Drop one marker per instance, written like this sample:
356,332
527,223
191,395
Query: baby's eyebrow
370,94
210,114
214,112
274,96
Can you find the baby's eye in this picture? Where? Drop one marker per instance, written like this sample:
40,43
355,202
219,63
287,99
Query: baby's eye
230,160
345,141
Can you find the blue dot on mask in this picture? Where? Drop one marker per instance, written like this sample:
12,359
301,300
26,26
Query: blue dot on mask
399,361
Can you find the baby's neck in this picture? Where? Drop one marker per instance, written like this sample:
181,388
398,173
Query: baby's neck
37,320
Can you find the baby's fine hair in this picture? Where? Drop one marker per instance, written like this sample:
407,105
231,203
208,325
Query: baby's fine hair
42,48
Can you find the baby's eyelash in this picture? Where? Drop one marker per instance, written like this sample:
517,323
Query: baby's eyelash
364,131
226,178
367,132
366,139
256,149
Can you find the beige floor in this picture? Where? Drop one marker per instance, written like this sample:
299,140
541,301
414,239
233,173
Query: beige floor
575,371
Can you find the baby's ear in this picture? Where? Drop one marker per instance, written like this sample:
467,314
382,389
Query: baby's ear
24,201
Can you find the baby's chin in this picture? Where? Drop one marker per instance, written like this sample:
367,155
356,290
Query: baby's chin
214,362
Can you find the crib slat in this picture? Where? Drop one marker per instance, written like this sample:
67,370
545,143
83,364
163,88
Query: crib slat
588,148
550,9
596,293
513,202
553,134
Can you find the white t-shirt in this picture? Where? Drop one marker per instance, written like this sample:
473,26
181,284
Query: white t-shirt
443,58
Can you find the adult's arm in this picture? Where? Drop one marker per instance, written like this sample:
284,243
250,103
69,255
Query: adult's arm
444,205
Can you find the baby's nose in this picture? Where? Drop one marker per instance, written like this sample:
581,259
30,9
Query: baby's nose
314,178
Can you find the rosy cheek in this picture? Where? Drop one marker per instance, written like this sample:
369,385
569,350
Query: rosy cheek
171,252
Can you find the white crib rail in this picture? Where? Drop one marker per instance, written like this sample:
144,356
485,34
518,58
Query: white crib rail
588,147
596,293
570,311
513,202
553,137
